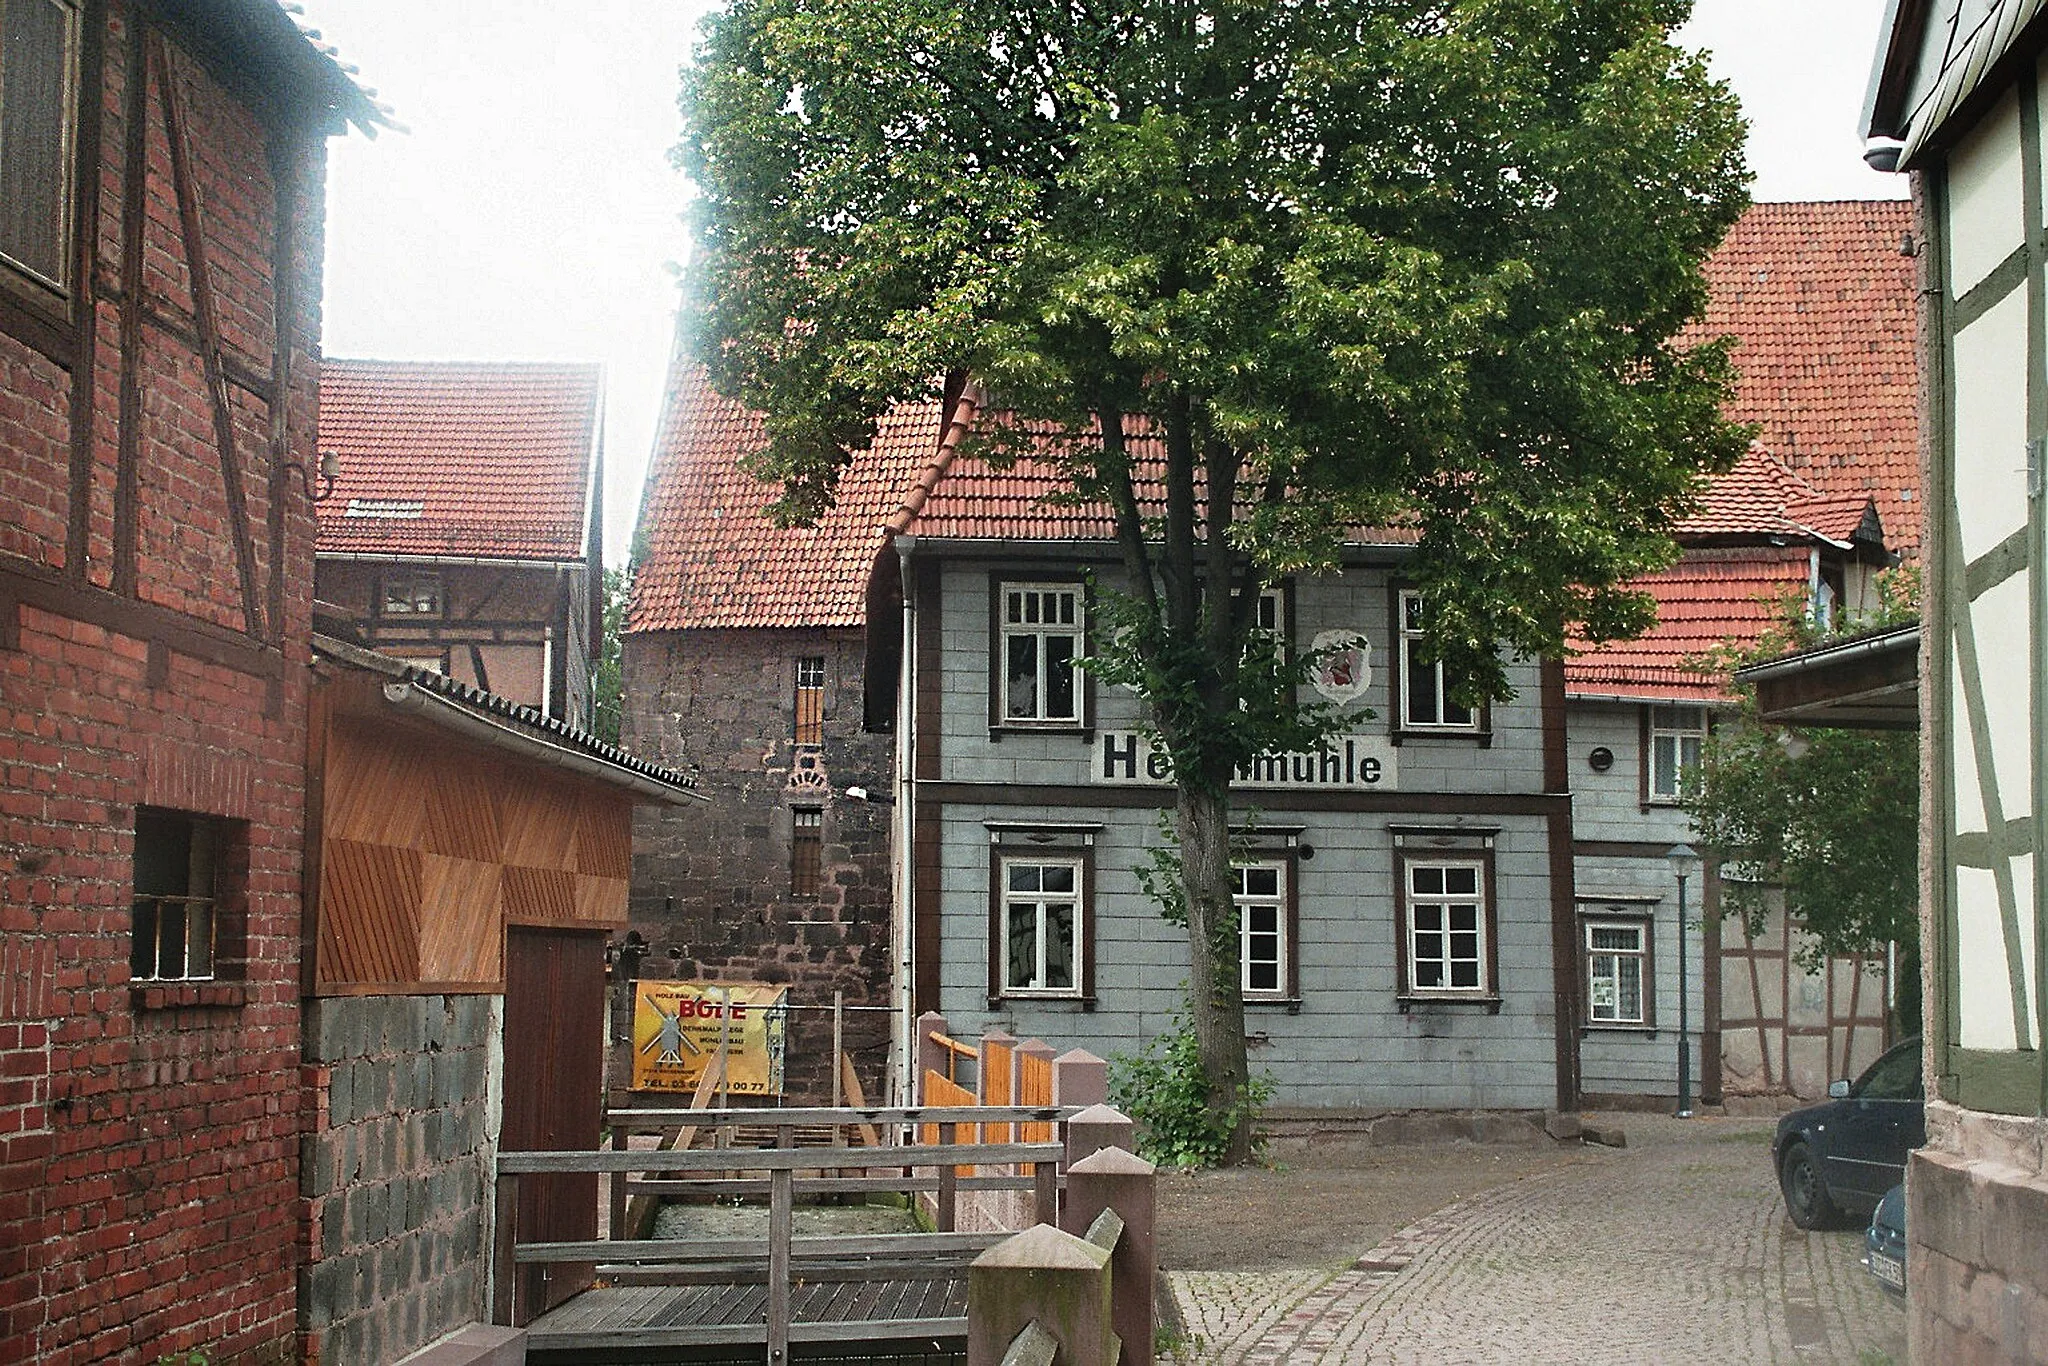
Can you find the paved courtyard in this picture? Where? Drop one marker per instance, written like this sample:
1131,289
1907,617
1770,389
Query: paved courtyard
1674,1249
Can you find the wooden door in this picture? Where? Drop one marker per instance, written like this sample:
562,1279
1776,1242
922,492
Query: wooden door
554,1093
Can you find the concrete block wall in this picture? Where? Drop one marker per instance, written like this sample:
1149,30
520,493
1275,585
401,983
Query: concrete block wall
396,1165
711,881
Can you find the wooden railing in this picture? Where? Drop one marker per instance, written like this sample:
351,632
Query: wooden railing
781,1174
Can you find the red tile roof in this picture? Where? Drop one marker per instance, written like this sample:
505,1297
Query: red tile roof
459,458
1760,498
1822,305
1709,597
961,496
710,557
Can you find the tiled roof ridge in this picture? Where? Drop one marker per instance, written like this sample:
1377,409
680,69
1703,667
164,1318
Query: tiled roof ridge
966,408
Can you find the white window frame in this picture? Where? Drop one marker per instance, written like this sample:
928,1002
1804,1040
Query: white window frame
1667,762
1017,603
59,282
408,591
1408,609
1445,903
1613,971
1251,903
1040,903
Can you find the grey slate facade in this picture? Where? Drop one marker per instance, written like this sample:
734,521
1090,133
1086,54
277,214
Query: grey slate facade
1343,1031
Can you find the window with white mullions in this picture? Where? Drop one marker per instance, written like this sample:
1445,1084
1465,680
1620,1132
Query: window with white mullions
1677,737
1425,685
1260,893
1040,911
38,95
1042,627
1447,928
177,870
1616,952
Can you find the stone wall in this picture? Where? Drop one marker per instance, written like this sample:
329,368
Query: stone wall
711,882
1977,1229
397,1172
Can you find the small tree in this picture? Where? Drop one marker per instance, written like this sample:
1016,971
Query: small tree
1828,816
607,685
1382,262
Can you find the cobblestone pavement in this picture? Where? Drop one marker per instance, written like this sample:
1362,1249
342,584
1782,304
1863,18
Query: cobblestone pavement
1675,1249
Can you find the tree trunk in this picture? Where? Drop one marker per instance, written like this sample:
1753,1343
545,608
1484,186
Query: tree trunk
1202,823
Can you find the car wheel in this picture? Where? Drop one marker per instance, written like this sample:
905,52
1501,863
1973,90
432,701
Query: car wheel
1806,1194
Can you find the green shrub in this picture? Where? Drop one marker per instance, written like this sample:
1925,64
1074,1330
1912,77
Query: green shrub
1163,1089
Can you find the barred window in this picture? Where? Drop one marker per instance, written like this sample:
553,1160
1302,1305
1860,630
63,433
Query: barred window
177,884
810,700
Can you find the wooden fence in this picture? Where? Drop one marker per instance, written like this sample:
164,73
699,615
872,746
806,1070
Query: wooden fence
779,1289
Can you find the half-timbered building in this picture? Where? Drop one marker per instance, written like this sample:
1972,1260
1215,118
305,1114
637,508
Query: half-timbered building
161,209
1956,100
460,527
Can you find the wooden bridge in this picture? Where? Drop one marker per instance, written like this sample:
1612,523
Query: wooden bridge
780,1290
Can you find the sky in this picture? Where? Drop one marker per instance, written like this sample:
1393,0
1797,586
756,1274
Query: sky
529,210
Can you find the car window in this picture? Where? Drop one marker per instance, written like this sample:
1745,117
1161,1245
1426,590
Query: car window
1895,1076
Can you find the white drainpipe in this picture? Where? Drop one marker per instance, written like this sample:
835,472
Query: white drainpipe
902,995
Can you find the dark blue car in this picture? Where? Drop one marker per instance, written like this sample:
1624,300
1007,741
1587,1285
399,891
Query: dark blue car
1837,1159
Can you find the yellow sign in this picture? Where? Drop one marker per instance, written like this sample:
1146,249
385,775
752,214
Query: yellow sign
677,1028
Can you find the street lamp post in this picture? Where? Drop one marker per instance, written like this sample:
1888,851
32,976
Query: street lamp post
1681,858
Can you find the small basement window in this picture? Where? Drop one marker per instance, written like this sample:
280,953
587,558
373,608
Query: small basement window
181,868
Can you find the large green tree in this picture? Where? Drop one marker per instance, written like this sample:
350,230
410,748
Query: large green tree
1395,262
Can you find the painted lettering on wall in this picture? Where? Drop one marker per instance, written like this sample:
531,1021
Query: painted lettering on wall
1345,762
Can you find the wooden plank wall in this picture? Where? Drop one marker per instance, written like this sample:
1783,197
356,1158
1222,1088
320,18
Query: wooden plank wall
430,848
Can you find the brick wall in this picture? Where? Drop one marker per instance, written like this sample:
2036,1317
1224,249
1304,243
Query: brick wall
711,883
396,1172
149,1136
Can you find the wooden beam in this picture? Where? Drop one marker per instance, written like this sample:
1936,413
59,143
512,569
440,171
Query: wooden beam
192,222
60,595
134,234
783,1159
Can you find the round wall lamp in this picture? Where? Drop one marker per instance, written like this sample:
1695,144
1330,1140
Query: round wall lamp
1601,759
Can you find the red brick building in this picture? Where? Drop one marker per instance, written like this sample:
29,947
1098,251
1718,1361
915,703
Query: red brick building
160,249
461,532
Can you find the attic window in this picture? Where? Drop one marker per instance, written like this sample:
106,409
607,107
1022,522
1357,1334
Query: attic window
389,508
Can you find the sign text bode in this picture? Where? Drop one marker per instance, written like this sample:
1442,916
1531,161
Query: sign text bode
1353,762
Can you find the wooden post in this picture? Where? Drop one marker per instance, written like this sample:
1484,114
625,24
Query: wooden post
1079,1078
1114,1180
949,1185
838,1041
781,1224
931,1057
725,1049
1096,1128
616,1226
1058,1281
504,1237
1045,1193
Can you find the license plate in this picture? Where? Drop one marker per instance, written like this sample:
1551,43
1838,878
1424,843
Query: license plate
1890,1270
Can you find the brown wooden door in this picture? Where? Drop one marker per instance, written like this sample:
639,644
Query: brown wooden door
554,1093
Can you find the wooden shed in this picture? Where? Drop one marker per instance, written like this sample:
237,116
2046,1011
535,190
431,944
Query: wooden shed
459,844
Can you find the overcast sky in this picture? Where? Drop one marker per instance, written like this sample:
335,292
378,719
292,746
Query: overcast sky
530,212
